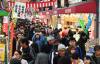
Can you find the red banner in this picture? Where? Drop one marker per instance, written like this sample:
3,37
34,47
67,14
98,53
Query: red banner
34,5
5,28
12,30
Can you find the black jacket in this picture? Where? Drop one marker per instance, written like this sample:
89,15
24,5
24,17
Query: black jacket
29,54
95,60
61,60
15,61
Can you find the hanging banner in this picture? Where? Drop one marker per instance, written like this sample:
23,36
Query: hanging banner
2,52
5,28
11,38
89,22
11,5
5,24
27,5
5,19
12,30
81,21
86,31
34,5
19,10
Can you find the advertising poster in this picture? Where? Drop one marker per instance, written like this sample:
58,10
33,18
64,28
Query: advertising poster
2,52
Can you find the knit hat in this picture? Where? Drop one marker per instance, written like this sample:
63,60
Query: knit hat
61,46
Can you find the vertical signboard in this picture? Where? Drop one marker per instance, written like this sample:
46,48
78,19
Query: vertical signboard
19,10
2,52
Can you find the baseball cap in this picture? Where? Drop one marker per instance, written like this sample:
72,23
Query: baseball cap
61,46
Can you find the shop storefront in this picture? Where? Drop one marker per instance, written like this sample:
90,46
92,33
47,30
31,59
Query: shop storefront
70,16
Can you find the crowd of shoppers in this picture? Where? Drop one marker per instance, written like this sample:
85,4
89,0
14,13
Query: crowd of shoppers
38,44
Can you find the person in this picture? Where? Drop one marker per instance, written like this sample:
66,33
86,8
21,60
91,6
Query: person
43,36
17,58
43,56
76,60
61,58
56,33
71,50
28,52
31,32
81,42
53,49
73,43
96,56
37,39
18,37
88,60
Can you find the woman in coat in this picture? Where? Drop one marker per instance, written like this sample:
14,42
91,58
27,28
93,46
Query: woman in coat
17,58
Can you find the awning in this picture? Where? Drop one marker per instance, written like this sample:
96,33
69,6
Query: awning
3,13
88,7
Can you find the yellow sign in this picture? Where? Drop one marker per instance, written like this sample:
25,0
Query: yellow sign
2,52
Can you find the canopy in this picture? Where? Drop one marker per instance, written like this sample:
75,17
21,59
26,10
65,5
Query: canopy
3,13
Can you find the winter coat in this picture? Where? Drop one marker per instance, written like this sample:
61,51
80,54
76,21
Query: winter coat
40,41
61,60
95,60
77,51
15,61
42,58
29,54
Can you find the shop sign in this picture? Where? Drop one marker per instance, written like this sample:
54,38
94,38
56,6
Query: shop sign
47,12
88,7
55,12
74,1
2,52
68,10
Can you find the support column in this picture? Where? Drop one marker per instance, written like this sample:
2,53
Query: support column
97,20
99,17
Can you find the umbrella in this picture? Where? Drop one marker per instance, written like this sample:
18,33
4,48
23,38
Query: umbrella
3,13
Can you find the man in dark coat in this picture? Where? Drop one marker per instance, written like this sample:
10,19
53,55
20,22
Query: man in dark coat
29,53
61,58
